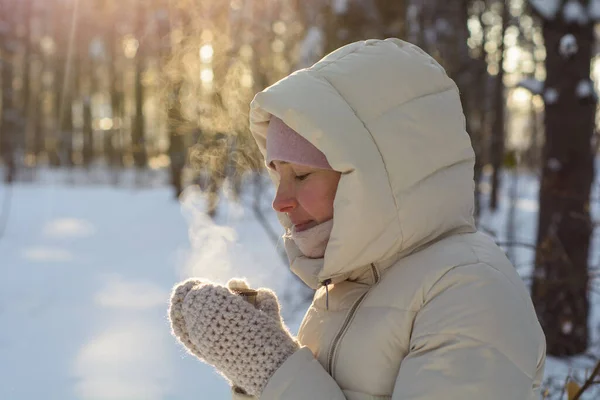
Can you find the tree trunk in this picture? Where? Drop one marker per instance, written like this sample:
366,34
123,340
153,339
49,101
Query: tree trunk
113,144
363,20
560,285
137,134
66,77
498,134
10,118
27,57
88,132
440,28
177,149
67,130
37,114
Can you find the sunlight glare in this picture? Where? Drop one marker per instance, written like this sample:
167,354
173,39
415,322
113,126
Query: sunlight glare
247,80
277,46
206,35
206,53
206,75
279,27
520,97
130,46
246,51
106,124
48,45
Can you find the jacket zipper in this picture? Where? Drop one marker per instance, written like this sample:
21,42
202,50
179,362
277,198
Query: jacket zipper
338,337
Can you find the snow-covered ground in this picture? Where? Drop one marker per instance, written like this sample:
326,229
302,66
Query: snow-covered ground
86,271
521,229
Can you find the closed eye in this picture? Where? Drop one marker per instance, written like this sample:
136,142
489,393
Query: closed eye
302,177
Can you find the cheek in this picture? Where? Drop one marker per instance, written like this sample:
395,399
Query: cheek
317,200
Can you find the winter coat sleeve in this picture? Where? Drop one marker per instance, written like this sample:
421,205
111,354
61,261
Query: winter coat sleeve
474,337
301,377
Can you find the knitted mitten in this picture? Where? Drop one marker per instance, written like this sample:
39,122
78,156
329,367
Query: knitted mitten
245,344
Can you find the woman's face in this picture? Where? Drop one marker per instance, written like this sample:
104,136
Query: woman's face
305,194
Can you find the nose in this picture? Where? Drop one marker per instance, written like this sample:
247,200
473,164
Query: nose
285,200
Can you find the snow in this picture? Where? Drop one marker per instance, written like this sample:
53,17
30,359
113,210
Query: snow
546,8
431,35
86,276
574,12
585,89
522,229
568,46
443,26
567,327
594,9
533,85
311,48
340,6
554,165
551,96
87,270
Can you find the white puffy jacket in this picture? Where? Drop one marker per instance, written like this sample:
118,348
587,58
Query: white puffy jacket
421,306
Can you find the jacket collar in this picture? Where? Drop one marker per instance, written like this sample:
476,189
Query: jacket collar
309,269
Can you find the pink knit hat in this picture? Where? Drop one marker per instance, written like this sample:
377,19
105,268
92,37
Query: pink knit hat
285,144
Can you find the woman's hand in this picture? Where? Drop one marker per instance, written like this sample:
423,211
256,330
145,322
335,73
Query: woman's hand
245,344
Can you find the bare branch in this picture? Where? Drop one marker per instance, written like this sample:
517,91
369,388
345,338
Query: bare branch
588,382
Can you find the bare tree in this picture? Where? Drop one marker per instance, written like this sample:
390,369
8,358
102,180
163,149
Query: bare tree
113,143
137,134
10,120
561,278
167,18
441,29
498,129
65,79
27,17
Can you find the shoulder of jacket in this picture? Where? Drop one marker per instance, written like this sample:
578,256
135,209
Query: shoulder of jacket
447,262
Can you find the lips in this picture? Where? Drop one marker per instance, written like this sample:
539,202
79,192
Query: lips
304,226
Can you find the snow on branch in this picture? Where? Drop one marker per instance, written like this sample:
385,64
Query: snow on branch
546,8
311,48
574,12
568,46
585,89
550,96
340,6
533,85
594,10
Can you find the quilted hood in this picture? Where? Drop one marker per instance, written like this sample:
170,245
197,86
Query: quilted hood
388,117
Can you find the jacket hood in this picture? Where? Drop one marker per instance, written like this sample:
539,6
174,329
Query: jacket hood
388,117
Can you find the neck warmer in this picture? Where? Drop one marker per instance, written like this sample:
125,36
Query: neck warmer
313,242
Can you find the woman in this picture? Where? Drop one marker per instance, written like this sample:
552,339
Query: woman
374,175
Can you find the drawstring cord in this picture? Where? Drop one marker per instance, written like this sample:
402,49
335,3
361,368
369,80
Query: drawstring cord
326,283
